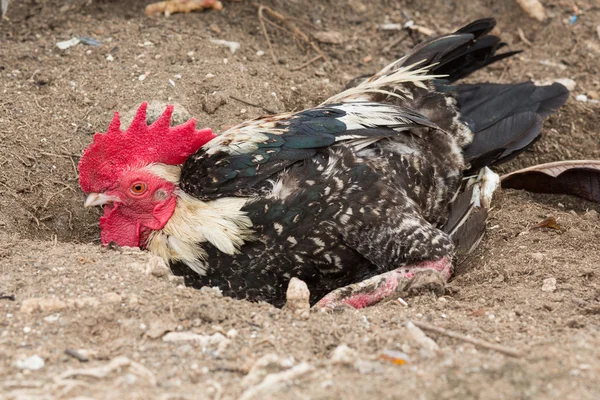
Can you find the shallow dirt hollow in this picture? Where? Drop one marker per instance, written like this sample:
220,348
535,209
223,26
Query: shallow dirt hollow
115,308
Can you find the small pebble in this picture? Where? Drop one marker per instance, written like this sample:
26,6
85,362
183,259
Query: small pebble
32,363
141,77
232,333
428,347
26,329
297,298
549,285
260,53
343,355
581,97
111,297
537,256
42,304
52,318
209,76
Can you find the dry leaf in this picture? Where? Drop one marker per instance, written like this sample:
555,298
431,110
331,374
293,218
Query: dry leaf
181,6
549,223
579,178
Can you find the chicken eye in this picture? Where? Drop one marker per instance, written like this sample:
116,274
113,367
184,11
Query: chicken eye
138,188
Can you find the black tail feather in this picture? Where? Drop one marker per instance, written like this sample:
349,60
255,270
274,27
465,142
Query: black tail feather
459,54
505,119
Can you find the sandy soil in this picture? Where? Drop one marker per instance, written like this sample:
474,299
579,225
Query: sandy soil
115,309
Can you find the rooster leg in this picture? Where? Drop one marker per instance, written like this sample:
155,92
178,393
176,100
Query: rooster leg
387,285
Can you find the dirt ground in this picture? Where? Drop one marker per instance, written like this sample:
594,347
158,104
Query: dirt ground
114,309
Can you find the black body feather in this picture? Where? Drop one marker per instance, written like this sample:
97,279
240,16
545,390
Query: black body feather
349,190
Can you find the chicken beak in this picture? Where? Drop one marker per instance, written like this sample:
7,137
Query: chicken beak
99,199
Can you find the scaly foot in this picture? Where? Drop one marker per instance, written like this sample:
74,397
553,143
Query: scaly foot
426,275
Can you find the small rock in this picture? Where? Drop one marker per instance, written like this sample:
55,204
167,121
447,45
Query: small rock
213,102
159,327
581,97
232,46
32,363
297,298
159,270
537,256
549,285
209,76
42,304
593,94
211,291
368,367
52,318
267,364
428,347
111,298
232,333
330,37
134,301
187,336
343,355
533,8
68,43
110,58
260,53
83,302
276,383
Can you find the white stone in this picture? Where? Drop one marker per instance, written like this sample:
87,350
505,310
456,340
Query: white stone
32,363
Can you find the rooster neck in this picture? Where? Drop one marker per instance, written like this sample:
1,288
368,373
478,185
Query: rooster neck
221,223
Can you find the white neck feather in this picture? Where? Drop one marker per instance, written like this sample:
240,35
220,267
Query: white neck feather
219,222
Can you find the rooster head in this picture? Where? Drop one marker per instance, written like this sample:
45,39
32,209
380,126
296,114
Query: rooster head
133,174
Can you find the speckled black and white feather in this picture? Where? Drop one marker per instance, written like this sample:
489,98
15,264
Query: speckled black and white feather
360,185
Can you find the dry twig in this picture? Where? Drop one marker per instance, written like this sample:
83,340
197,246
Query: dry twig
477,342
299,67
248,103
291,27
261,18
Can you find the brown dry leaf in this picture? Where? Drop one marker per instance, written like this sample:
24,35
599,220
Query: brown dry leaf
181,6
550,223
579,178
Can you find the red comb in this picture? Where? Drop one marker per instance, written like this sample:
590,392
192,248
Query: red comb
114,151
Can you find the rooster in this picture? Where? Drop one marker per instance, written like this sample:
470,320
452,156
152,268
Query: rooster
355,197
